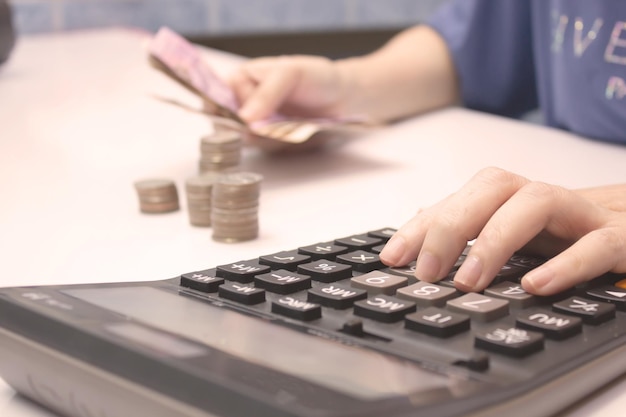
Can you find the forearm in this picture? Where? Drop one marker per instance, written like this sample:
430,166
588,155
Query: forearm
411,74
612,196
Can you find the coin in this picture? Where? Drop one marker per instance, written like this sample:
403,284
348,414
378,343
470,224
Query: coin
157,195
235,206
220,150
199,191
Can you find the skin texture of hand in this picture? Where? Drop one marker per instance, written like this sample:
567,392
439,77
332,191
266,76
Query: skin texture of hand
297,85
582,232
410,74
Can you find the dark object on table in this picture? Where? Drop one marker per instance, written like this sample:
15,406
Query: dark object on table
7,33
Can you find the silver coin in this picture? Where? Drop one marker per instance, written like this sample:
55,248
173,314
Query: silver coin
148,185
199,184
240,178
154,208
235,222
220,147
235,236
222,136
219,165
158,197
199,221
199,199
235,212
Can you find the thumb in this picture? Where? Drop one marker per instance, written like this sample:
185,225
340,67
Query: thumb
274,85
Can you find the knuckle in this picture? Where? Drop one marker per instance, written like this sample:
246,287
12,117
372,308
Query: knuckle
447,220
576,261
492,236
545,197
541,190
495,175
611,240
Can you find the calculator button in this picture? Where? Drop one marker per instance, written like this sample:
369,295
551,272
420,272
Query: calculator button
406,271
510,273
448,280
361,261
425,294
326,271
437,322
513,293
528,262
384,308
509,341
336,295
621,284
205,281
282,281
591,311
284,260
242,293
243,271
326,250
297,309
479,307
356,242
377,282
610,294
553,325
377,249
384,234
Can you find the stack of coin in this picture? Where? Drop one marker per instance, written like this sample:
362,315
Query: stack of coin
220,150
157,195
235,211
199,190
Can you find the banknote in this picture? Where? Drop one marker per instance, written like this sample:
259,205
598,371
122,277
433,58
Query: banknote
184,62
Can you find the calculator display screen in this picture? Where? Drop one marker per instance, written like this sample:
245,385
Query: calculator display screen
356,372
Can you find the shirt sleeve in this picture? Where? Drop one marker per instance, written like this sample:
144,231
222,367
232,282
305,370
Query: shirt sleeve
491,46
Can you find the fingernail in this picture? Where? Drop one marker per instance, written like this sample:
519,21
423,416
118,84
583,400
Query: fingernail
538,278
393,250
427,267
469,272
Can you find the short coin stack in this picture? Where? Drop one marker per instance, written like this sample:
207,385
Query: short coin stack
220,150
199,202
235,210
157,196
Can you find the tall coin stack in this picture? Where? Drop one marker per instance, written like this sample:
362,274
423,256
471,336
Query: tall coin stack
220,150
157,196
199,198
235,213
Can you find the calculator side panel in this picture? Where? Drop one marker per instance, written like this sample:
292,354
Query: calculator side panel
555,396
74,388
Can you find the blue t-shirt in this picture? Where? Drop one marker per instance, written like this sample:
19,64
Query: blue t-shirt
567,57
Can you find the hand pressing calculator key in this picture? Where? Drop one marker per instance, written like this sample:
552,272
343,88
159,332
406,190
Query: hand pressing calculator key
322,330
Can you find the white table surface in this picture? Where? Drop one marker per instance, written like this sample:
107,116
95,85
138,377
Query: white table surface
79,124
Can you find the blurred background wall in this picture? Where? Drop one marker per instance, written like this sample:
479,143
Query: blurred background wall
206,21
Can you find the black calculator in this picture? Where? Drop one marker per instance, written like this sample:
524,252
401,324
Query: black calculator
321,330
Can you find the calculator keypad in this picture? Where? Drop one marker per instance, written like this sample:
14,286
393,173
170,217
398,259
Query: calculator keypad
342,286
